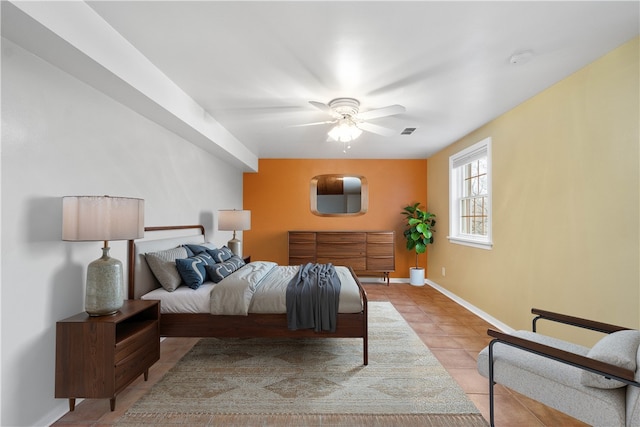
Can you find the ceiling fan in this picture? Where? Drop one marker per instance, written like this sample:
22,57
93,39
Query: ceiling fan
350,122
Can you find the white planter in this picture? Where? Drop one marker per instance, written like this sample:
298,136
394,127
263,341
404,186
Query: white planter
416,277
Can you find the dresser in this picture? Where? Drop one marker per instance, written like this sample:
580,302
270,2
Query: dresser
97,357
365,251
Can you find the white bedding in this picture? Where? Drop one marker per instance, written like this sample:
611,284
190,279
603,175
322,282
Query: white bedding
258,287
183,300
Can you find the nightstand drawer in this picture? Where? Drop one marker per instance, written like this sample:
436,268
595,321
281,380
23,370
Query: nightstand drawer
135,364
144,337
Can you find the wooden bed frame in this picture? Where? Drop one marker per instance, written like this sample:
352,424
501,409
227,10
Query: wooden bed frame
349,325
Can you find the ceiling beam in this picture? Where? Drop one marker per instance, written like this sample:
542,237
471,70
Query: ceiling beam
74,38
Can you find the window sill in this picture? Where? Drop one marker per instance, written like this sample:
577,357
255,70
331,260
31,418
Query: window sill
471,242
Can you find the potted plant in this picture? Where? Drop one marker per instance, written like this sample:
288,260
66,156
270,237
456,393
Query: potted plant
419,233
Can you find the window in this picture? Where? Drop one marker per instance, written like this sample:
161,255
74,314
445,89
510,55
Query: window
470,196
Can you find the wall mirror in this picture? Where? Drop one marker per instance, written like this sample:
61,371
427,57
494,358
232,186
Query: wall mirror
339,195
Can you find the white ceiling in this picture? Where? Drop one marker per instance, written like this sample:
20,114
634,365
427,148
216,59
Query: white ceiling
254,66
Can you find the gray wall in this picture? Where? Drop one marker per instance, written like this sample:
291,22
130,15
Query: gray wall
61,137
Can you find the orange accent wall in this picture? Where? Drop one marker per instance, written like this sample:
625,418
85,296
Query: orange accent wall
278,197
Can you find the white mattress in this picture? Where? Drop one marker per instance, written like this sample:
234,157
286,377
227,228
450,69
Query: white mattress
183,300
269,296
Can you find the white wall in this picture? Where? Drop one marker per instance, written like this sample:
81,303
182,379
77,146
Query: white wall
61,137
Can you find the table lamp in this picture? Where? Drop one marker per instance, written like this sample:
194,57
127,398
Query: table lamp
233,220
103,218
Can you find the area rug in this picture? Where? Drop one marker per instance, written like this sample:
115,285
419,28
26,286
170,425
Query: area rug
310,382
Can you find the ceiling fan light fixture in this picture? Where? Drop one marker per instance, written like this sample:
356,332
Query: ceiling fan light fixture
350,123
345,131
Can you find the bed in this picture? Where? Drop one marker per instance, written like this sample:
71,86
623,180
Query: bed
195,319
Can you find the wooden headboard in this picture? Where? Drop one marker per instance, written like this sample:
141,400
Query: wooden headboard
141,279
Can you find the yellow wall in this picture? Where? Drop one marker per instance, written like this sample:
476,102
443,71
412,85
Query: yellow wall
565,203
278,197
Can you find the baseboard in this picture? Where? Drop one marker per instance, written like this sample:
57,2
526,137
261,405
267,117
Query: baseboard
55,414
472,308
380,279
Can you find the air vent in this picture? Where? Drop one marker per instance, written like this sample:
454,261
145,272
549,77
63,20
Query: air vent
408,131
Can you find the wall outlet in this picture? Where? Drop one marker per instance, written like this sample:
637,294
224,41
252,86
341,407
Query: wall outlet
444,272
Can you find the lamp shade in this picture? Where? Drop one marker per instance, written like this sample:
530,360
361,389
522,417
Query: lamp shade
95,218
232,220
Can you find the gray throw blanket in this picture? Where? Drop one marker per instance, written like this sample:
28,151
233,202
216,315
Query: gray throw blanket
313,297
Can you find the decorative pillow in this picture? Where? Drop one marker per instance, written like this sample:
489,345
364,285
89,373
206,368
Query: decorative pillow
192,269
196,249
620,349
163,266
221,255
206,257
219,271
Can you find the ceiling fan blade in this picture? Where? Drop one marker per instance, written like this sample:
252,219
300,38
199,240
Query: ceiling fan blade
380,130
322,107
382,112
312,124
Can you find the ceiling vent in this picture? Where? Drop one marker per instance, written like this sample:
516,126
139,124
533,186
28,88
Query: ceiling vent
408,131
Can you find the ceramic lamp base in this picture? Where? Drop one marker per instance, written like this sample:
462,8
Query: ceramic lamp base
236,247
104,293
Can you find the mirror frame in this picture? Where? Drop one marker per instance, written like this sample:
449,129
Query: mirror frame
364,194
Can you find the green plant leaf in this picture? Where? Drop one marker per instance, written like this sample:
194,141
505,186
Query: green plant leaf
419,228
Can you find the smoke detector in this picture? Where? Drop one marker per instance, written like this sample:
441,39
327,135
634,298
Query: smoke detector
519,58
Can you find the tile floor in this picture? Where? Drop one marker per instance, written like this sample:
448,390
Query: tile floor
454,335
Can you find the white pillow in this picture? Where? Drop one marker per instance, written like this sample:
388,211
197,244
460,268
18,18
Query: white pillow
619,349
163,266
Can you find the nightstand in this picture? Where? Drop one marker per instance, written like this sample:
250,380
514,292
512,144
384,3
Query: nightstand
247,259
97,357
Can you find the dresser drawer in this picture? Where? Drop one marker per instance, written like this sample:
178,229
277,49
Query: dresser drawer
302,237
380,264
302,249
301,260
358,263
341,250
329,237
379,250
385,238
